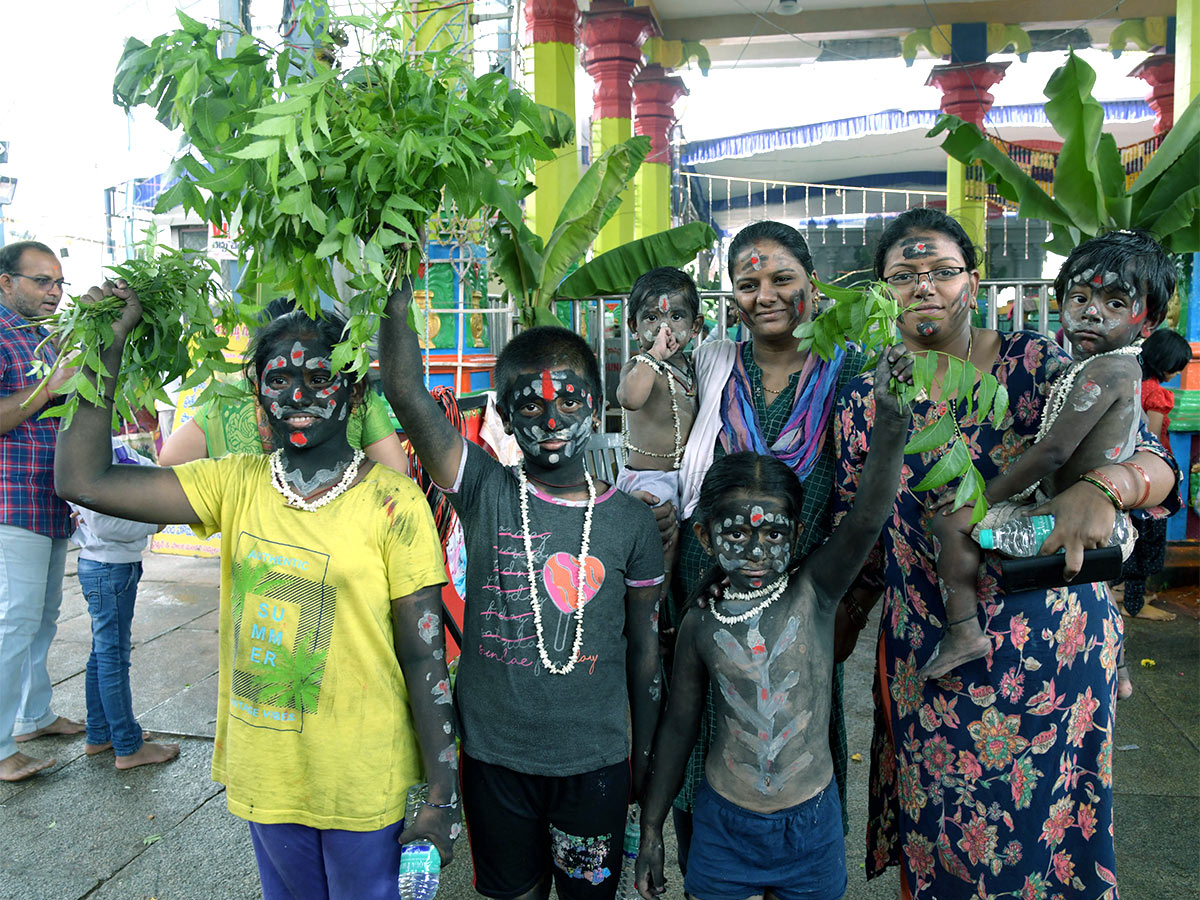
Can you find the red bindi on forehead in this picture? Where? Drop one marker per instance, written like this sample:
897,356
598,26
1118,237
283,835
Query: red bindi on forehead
547,385
663,304
297,355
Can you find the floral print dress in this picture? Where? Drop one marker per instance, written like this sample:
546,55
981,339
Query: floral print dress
995,781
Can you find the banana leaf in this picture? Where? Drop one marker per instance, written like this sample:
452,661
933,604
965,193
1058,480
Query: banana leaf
967,144
1078,118
592,203
615,272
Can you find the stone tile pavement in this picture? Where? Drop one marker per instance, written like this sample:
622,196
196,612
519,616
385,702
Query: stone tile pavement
86,830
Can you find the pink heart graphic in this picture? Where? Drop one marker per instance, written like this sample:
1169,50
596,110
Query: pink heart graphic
559,576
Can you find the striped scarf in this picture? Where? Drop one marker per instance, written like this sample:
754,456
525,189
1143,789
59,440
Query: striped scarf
799,443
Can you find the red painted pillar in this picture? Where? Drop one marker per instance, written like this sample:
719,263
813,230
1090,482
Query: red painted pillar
654,96
1159,72
612,55
965,88
965,94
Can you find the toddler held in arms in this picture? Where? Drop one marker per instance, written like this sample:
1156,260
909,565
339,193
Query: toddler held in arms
1112,291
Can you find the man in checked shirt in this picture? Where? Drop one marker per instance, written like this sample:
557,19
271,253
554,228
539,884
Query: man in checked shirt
34,522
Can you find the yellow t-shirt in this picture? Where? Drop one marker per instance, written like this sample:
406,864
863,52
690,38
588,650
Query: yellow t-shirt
313,723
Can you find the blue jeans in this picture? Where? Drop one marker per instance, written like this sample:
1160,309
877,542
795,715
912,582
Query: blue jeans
110,590
298,862
31,574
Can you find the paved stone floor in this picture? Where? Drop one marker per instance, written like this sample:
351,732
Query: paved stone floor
85,830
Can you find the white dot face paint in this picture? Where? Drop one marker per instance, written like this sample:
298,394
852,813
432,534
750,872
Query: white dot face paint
752,538
1102,311
551,414
304,402
670,310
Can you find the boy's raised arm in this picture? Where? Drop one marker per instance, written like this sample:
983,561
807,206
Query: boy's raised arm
835,564
677,733
437,443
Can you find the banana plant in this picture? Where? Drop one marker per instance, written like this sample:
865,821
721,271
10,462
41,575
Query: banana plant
1089,193
533,270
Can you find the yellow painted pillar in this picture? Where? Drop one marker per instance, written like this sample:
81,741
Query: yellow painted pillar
964,88
551,27
1187,52
612,41
970,211
608,133
654,96
434,26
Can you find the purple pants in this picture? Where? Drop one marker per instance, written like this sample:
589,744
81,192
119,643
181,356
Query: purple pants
297,862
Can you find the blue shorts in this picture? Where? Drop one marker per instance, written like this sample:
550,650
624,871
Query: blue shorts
797,853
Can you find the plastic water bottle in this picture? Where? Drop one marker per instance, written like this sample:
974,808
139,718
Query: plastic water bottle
1025,536
420,862
627,886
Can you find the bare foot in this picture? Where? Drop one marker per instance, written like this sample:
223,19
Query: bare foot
1124,685
960,644
18,767
97,749
61,725
1154,614
147,754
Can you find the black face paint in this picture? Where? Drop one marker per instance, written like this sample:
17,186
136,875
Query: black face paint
554,406
669,309
303,403
916,248
752,539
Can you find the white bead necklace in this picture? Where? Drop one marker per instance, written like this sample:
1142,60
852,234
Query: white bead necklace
580,578
279,482
1062,387
771,592
659,367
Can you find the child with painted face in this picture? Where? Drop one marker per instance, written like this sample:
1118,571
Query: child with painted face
1112,291
333,695
768,816
560,631
658,387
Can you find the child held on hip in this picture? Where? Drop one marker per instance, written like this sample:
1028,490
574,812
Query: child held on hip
1112,291
658,388
766,645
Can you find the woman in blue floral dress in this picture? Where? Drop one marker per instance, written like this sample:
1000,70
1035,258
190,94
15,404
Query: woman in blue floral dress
996,780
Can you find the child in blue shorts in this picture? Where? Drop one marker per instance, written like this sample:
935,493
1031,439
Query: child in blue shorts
767,816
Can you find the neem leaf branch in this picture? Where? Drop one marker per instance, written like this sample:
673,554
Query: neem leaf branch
307,164
866,317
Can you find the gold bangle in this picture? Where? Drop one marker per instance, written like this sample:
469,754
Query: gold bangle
1116,501
1145,481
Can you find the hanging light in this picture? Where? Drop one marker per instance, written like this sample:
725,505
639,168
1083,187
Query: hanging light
788,8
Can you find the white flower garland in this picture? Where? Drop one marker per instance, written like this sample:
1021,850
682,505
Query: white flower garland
659,367
1062,386
772,592
581,575
279,482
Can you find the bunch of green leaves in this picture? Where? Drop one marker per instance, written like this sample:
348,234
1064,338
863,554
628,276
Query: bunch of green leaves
186,317
307,164
1089,193
866,317
534,272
